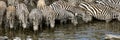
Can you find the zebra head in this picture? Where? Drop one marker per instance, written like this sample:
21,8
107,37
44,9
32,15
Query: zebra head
86,17
73,19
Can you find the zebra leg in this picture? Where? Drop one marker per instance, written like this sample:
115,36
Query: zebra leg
87,18
7,23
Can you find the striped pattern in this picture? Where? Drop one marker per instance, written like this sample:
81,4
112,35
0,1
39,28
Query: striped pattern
12,2
49,16
10,16
22,14
66,6
110,3
62,14
3,7
35,18
75,2
98,11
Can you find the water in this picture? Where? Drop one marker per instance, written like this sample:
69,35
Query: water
95,30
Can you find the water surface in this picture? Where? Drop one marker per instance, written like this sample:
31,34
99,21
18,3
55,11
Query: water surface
95,30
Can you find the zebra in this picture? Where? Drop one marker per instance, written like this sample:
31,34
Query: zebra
35,17
10,15
41,4
99,11
86,17
74,2
3,7
30,2
65,5
49,16
22,14
110,3
77,2
48,13
63,14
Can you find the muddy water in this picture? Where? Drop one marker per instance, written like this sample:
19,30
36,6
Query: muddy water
95,30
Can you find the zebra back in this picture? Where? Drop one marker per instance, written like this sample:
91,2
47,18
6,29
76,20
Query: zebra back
98,11
67,6
61,13
110,3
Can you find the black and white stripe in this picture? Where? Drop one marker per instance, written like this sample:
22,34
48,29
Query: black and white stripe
49,16
22,14
63,14
65,5
110,3
98,11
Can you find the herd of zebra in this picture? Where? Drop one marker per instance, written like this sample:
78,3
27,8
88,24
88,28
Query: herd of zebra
58,10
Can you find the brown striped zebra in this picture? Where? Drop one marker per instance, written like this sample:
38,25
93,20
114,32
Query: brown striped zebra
3,7
41,4
10,15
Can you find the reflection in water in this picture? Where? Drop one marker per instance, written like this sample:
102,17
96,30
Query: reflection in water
84,31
